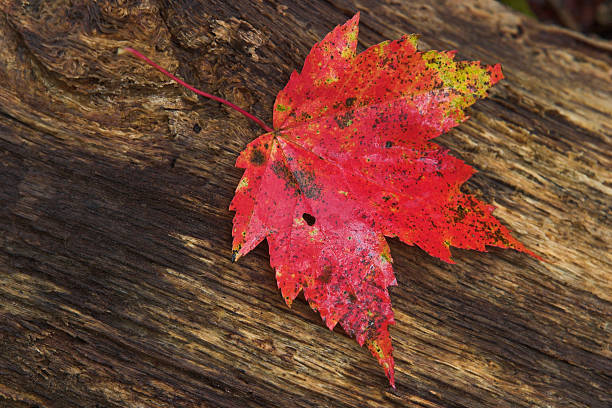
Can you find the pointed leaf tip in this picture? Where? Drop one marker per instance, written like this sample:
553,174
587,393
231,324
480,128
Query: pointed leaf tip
495,72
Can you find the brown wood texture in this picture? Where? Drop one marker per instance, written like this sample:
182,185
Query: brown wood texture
116,283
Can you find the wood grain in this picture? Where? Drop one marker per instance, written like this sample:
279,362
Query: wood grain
116,284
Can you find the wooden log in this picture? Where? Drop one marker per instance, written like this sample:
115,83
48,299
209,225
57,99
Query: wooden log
116,283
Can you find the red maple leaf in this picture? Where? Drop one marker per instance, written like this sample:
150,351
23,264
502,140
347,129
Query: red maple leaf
349,163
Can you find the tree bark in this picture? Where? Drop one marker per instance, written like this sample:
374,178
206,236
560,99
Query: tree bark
116,282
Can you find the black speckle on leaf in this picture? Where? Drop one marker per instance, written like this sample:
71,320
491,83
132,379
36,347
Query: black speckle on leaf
325,275
350,101
388,144
345,120
197,128
284,173
306,182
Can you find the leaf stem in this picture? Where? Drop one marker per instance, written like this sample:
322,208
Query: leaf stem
137,54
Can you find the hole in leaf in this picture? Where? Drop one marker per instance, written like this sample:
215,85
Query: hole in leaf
197,128
310,220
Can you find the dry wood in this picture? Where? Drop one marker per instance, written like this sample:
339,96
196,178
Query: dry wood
116,284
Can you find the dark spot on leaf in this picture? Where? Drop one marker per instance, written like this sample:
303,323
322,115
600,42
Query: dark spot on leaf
310,220
257,157
388,144
350,101
498,236
325,275
345,120
284,173
173,162
197,128
306,183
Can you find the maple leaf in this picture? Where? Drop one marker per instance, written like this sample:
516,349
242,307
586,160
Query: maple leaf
349,163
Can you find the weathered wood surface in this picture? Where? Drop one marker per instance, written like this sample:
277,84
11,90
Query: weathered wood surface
116,285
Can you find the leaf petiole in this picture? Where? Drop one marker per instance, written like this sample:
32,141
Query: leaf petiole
137,54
